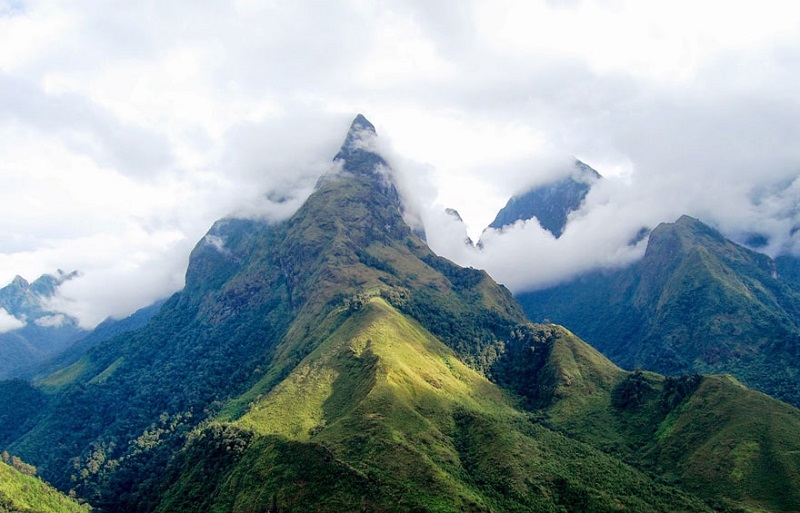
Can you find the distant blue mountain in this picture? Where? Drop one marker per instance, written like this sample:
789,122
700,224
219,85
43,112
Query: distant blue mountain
43,333
550,203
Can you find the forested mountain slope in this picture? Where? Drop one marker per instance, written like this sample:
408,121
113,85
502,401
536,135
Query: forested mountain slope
696,302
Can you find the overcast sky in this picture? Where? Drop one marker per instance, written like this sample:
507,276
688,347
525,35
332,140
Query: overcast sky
127,128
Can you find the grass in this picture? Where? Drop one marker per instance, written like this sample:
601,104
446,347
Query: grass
24,493
378,351
735,443
381,416
108,371
66,376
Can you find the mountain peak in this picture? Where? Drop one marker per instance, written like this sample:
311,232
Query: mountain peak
19,282
584,172
362,123
361,135
358,153
44,285
687,229
550,203
686,220
47,284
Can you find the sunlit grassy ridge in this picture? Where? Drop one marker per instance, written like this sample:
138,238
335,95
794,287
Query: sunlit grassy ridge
27,494
376,359
382,416
65,376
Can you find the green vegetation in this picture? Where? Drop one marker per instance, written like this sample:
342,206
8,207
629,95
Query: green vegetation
383,416
696,303
108,372
63,377
733,447
22,492
20,407
205,346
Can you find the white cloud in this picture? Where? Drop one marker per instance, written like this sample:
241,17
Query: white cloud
215,242
599,235
51,321
126,129
525,256
8,322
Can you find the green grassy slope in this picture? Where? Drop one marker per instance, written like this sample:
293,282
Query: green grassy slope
382,416
736,444
23,493
711,436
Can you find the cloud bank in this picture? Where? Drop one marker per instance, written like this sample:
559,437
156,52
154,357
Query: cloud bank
127,130
605,233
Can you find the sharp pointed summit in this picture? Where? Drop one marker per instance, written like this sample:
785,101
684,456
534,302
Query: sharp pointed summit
362,123
358,152
368,178
19,282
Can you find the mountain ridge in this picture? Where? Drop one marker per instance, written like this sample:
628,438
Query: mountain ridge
708,433
696,302
333,362
400,412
